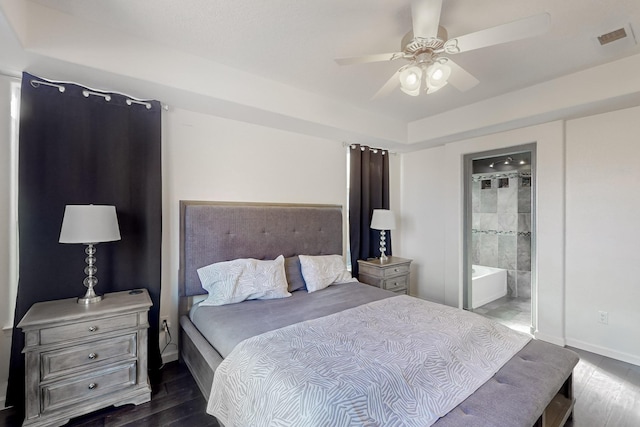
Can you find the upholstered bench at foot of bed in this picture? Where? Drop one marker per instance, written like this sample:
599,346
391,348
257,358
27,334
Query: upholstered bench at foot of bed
541,365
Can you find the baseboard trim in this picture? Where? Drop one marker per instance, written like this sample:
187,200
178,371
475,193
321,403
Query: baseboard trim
3,398
604,351
550,338
170,356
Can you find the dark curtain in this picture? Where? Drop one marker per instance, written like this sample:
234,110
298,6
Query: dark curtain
368,190
81,150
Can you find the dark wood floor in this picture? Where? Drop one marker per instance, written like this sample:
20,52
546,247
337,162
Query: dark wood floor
607,393
175,401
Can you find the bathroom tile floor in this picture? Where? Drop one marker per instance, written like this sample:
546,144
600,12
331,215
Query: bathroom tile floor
512,312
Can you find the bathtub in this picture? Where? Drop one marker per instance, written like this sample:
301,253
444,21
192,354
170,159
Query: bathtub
487,284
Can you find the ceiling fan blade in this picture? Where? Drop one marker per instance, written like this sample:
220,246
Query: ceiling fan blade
517,30
426,17
368,58
389,86
460,78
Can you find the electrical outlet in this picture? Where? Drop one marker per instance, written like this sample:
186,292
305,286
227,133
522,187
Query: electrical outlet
603,317
165,323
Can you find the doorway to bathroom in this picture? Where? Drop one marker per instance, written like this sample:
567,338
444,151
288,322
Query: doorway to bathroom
499,248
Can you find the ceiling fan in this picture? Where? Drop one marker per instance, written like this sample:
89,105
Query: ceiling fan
427,47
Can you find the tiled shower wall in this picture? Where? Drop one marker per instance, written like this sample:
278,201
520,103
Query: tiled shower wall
501,226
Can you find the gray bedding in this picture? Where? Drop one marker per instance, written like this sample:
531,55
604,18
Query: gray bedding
400,361
515,396
249,318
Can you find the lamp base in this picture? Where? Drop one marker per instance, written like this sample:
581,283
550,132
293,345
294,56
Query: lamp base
90,297
90,281
383,247
85,300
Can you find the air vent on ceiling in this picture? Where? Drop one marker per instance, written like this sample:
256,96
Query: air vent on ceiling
612,36
616,39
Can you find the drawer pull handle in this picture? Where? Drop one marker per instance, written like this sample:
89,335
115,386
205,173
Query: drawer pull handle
92,386
396,269
93,328
93,356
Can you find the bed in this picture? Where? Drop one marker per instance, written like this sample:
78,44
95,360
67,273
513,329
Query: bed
533,388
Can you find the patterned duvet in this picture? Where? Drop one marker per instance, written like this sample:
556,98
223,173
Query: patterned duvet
400,361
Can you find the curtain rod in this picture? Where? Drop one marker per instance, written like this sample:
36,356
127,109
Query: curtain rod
352,145
96,92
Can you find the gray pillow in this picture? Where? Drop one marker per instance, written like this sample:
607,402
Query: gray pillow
293,273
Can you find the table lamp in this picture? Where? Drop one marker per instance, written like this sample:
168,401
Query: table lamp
383,219
89,225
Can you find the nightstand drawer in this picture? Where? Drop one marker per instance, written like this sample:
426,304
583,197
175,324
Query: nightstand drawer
384,271
72,359
65,393
85,329
396,270
395,284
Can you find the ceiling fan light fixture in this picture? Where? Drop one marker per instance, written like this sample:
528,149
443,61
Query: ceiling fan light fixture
437,76
427,46
410,79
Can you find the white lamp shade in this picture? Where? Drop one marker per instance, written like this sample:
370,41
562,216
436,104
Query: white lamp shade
437,76
410,79
89,224
383,219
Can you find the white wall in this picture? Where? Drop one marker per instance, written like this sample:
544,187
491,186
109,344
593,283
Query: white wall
6,297
211,158
432,208
603,233
423,236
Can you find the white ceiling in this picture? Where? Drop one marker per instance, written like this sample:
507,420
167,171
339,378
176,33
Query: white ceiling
295,41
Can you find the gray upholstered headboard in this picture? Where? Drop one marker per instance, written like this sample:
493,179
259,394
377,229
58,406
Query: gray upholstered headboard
221,231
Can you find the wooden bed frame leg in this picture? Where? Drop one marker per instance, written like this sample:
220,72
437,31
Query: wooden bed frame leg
560,409
567,391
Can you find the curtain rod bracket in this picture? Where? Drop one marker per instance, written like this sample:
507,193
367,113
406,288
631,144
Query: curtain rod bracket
86,94
133,101
37,83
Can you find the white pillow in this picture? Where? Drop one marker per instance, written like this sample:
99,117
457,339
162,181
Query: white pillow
242,279
321,271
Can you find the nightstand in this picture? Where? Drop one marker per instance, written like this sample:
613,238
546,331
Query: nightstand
392,275
80,358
